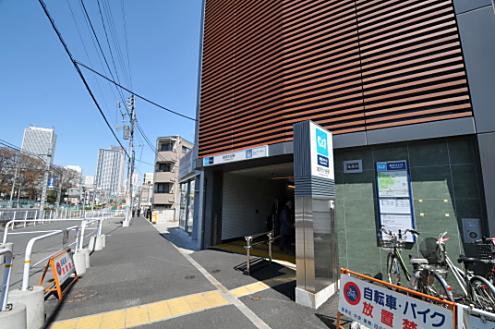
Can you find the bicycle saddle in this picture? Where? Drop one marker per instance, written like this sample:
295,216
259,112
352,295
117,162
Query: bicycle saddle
419,261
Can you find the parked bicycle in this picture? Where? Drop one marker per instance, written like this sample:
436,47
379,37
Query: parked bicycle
396,266
429,278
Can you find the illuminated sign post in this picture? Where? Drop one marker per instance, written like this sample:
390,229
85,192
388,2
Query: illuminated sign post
316,237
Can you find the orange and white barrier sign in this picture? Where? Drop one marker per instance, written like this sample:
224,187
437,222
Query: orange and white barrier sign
62,270
374,304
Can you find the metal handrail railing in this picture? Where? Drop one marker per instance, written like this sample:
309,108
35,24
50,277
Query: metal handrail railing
29,251
249,245
9,226
8,257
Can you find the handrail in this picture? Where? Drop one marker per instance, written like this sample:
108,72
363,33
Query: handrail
10,224
29,251
6,277
249,245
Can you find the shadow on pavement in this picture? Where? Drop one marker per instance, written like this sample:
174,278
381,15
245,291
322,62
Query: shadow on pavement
179,238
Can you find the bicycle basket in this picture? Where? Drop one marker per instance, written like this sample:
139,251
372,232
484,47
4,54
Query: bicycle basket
431,251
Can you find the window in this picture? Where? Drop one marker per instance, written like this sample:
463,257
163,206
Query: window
162,188
164,167
167,146
185,149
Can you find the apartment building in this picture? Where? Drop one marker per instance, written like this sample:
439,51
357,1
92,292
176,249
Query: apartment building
166,190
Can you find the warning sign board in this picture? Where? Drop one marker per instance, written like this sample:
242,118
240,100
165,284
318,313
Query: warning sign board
63,272
64,266
376,306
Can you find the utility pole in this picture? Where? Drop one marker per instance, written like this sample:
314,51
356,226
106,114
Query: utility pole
44,184
130,135
59,192
13,183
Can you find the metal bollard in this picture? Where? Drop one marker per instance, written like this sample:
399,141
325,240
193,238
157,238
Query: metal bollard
270,241
25,218
249,239
13,218
7,252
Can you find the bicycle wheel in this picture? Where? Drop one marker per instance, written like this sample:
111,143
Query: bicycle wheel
393,269
482,293
433,284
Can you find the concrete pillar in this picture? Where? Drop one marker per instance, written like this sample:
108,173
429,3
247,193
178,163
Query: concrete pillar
34,300
15,318
79,258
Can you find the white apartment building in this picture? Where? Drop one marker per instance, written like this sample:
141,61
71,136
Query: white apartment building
166,190
39,141
110,172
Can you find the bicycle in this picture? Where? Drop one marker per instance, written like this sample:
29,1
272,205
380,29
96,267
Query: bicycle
395,262
429,278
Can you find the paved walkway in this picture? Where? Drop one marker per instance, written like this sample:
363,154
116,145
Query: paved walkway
141,280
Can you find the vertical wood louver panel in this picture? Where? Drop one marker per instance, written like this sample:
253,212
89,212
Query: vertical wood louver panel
349,65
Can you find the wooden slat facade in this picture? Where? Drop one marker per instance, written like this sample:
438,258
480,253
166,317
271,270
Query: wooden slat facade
349,65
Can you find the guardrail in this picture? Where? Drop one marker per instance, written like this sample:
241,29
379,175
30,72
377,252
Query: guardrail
79,243
7,255
18,213
250,244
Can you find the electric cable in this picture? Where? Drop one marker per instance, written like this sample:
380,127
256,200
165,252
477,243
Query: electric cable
133,92
79,72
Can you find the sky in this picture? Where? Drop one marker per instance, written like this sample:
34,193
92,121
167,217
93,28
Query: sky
40,87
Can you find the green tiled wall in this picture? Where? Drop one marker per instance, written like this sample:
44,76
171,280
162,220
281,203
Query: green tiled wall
446,186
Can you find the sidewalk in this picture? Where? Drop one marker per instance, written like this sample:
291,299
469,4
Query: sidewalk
142,280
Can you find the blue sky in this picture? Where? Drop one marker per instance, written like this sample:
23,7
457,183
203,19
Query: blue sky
40,87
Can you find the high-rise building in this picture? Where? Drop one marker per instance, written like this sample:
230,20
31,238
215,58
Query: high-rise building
39,141
110,171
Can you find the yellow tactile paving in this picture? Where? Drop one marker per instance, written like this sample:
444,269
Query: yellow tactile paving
257,287
197,302
136,316
113,320
239,292
89,322
178,306
157,311
249,289
214,298
65,324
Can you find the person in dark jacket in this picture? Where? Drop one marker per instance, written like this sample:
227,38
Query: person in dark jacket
286,227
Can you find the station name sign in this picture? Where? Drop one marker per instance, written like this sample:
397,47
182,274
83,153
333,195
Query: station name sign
321,152
252,153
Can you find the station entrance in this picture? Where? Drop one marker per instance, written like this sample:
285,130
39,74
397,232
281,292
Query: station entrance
255,201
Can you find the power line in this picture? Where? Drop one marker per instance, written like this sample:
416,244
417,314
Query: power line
88,18
112,58
76,67
126,41
133,92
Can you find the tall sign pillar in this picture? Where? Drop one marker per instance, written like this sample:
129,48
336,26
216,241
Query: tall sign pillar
316,236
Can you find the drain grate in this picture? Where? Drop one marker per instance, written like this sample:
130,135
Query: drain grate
189,277
216,271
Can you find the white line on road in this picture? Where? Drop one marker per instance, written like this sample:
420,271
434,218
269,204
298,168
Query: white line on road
256,320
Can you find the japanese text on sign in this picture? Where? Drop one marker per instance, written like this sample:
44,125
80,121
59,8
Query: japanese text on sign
381,308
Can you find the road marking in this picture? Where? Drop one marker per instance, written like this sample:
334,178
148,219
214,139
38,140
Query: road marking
256,320
249,289
159,311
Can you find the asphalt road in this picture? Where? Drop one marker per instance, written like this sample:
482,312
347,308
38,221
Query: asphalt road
42,249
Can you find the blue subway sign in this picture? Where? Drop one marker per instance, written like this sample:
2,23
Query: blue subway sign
391,166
